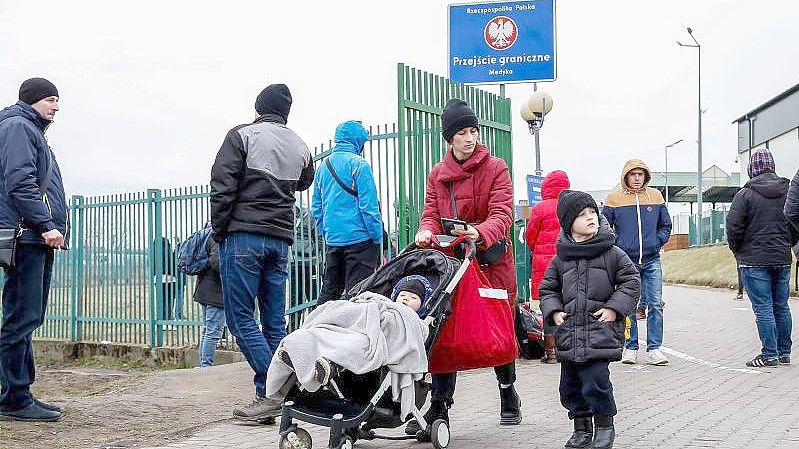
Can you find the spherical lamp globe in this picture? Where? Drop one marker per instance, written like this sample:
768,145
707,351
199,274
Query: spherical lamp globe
540,103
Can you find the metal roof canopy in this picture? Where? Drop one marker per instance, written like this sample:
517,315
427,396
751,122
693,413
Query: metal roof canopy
718,186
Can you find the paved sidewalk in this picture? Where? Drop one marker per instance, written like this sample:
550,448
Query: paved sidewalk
705,398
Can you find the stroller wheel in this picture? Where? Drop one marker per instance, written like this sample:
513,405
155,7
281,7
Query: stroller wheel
298,439
346,443
439,434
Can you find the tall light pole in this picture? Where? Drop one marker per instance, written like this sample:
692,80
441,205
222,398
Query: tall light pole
533,112
699,132
667,171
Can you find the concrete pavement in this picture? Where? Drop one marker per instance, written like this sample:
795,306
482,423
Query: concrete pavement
705,398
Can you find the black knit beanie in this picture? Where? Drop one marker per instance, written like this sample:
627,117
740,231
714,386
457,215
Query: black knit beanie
570,203
35,89
414,286
456,116
274,99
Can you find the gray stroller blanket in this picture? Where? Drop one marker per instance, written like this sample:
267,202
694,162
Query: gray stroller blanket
360,335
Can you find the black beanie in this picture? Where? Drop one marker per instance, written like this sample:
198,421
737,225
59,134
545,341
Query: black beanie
570,203
414,286
274,99
35,89
456,116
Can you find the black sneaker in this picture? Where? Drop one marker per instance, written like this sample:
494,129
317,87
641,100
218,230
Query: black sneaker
785,360
327,374
760,362
283,356
412,428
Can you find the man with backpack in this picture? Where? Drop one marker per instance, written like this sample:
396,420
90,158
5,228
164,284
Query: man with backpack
347,213
257,171
198,256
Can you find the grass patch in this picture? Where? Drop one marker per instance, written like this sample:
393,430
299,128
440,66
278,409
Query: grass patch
710,266
110,362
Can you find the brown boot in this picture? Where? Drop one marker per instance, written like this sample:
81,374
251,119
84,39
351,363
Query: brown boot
550,354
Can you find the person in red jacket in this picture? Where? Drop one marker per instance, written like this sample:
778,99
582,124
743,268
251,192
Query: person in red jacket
483,197
543,228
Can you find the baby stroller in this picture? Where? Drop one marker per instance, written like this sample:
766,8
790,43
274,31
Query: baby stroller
368,403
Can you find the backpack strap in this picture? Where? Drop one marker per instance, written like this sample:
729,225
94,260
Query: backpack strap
346,188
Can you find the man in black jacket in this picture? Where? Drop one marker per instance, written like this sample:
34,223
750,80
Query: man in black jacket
761,238
257,170
32,199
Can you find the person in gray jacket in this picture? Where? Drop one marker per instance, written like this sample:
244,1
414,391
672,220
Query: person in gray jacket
257,171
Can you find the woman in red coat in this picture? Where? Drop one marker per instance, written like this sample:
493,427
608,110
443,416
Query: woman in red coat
483,192
543,229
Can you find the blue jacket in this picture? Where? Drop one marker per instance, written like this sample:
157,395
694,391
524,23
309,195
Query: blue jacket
25,158
342,218
639,218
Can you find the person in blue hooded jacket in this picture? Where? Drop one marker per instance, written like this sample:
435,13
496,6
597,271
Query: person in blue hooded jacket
32,200
347,213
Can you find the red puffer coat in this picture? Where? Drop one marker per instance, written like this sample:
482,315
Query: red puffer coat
484,197
543,228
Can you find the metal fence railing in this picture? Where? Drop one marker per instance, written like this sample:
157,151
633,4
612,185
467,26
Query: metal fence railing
119,283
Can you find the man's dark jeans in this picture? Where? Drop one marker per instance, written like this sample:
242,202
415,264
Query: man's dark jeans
443,388
768,289
345,266
251,266
25,294
585,389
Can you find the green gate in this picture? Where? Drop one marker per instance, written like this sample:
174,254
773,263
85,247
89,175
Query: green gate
421,100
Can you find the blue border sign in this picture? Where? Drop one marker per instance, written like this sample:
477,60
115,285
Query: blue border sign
534,189
502,42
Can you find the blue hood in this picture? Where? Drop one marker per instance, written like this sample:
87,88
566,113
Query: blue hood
350,137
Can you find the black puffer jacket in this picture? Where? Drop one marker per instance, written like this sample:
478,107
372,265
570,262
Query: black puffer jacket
209,283
583,278
757,231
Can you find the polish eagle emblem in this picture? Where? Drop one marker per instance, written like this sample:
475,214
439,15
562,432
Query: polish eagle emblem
501,33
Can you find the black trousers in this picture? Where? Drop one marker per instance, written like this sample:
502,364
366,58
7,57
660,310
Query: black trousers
443,388
585,389
345,266
25,295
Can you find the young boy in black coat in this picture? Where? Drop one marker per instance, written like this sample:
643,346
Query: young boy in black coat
588,289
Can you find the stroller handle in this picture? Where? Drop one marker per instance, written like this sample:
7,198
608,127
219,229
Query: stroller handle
447,241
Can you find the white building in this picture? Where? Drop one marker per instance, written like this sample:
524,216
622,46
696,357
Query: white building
773,125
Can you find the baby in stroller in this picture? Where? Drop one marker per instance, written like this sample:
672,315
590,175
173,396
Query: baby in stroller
360,336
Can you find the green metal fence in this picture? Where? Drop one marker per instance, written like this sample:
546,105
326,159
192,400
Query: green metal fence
421,100
714,227
119,283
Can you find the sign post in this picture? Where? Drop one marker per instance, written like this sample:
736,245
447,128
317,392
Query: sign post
502,42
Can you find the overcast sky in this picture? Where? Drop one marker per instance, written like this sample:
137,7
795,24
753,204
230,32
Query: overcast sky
148,89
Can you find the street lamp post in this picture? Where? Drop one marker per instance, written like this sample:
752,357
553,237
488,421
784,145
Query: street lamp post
699,131
533,112
667,171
